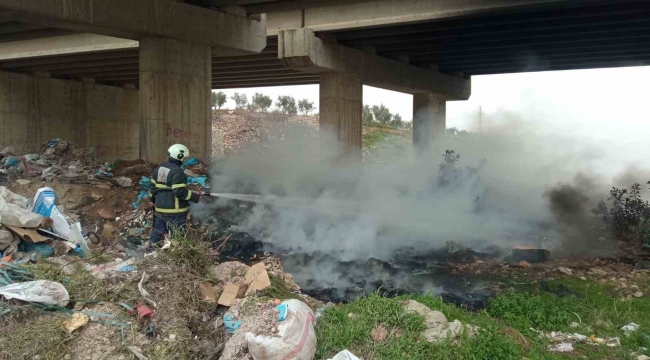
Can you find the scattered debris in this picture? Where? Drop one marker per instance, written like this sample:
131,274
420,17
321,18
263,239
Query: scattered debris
565,271
597,271
344,355
561,347
137,352
630,328
256,279
562,337
75,322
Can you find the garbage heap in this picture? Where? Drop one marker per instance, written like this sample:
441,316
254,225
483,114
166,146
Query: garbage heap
59,160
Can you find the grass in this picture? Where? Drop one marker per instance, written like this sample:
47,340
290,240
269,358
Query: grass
42,336
383,142
505,325
279,289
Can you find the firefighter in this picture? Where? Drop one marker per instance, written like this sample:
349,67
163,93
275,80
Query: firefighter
170,196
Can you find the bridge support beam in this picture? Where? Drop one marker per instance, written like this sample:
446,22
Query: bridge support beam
429,120
343,71
175,87
341,102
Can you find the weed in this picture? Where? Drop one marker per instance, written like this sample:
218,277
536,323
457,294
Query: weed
279,289
188,251
41,335
629,215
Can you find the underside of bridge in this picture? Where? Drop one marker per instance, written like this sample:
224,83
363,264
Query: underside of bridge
546,37
427,48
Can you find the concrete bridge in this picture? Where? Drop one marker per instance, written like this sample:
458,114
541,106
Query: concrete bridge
131,76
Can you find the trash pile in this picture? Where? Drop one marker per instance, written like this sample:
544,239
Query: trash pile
59,160
30,231
261,329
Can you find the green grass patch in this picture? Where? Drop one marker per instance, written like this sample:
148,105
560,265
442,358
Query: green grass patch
505,325
380,143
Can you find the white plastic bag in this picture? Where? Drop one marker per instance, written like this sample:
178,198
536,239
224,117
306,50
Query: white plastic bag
296,337
39,291
344,355
13,210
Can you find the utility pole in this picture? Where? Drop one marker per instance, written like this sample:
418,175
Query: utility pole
480,119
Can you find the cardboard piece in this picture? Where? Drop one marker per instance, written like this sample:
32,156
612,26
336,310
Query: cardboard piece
29,235
229,295
257,278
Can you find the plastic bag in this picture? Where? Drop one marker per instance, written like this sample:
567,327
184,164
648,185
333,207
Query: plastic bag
296,338
344,355
39,291
13,210
44,204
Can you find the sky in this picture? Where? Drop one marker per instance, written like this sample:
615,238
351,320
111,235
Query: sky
607,107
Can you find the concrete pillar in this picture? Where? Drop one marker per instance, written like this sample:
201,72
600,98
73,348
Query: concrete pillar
429,120
175,86
341,99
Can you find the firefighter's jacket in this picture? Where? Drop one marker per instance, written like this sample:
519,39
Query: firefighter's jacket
170,193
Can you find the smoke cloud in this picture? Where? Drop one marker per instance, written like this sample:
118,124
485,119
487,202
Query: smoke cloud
512,185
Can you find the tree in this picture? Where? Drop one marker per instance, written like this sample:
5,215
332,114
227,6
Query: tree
287,105
397,121
305,106
260,102
221,99
382,114
218,99
241,101
366,115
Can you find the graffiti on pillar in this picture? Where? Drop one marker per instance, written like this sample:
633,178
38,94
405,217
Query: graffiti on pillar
175,135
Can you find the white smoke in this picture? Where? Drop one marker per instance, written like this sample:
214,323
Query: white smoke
375,209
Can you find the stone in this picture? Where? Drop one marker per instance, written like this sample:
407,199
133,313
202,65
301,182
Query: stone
107,214
574,324
479,262
108,231
455,328
124,181
96,196
565,271
23,182
634,287
431,318
638,294
583,278
104,186
642,357
598,271
524,263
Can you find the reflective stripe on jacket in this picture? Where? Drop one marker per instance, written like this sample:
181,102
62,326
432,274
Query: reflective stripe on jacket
170,193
